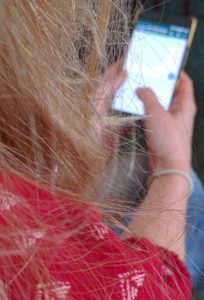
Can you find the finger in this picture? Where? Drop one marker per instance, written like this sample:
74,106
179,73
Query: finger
106,91
111,86
118,81
150,100
185,86
184,98
114,69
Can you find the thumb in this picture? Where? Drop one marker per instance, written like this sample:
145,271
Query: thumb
148,97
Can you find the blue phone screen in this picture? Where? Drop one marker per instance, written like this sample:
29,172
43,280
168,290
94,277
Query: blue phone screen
154,59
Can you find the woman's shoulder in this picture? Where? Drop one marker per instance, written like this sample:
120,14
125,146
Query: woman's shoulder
85,259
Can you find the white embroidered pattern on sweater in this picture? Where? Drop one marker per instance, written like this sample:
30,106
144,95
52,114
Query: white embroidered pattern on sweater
130,283
53,291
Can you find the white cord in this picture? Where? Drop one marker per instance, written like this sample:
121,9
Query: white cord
179,172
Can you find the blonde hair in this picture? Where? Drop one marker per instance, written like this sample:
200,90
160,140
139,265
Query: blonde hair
53,55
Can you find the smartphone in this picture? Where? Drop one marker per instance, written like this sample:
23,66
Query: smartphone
156,55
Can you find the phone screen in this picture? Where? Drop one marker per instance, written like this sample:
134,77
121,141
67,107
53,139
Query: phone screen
154,59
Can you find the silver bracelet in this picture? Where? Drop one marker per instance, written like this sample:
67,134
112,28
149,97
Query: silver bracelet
179,172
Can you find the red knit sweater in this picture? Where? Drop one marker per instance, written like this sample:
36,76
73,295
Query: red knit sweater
91,263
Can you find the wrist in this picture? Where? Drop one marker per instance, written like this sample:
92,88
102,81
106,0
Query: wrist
171,191
175,172
167,164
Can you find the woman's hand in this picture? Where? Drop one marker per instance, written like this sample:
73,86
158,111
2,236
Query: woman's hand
161,217
169,133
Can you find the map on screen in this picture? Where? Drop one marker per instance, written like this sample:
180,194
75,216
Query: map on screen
154,59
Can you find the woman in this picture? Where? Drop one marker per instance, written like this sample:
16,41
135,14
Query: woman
56,139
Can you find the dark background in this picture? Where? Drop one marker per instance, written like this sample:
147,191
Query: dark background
195,64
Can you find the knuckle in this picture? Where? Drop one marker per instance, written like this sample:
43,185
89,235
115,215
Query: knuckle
190,80
195,109
194,106
187,77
